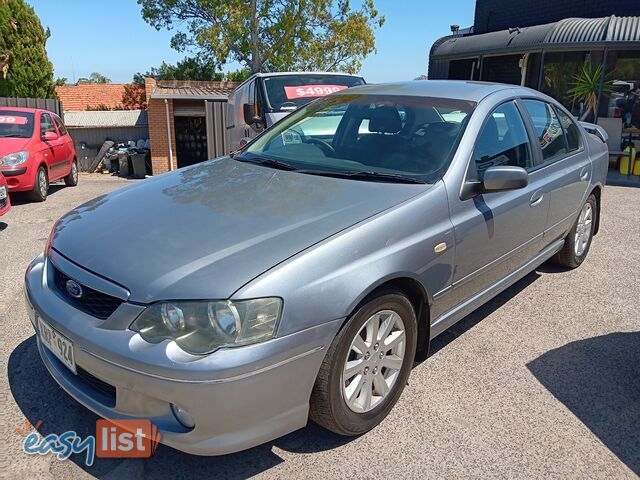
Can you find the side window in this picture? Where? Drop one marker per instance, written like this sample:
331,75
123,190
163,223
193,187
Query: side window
570,130
61,128
503,141
46,124
548,129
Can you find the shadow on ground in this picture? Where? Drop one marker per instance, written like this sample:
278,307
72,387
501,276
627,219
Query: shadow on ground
21,198
598,379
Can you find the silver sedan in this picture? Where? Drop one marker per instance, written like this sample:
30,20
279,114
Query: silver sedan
301,276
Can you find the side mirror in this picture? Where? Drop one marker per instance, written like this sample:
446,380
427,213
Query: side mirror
249,113
49,136
502,178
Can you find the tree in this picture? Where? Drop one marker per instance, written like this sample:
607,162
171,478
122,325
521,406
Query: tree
134,97
268,35
189,68
25,70
97,77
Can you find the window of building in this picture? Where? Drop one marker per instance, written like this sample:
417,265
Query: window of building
503,141
548,129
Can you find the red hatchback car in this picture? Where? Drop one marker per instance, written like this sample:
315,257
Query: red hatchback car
35,149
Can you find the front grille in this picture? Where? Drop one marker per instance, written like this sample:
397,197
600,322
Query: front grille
3,202
94,303
102,387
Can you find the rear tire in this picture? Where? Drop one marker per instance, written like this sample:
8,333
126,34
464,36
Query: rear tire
40,186
354,390
578,241
71,180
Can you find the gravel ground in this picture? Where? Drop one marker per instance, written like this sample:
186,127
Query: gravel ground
543,381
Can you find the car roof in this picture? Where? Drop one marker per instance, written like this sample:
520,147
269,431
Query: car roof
26,110
453,89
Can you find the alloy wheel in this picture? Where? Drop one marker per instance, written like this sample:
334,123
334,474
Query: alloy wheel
374,361
42,183
583,229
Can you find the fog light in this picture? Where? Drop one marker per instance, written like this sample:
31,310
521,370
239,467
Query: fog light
182,416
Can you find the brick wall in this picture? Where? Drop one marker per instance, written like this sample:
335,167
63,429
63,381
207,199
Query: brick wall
493,15
158,131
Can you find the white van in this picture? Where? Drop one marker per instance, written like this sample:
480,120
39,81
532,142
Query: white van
265,98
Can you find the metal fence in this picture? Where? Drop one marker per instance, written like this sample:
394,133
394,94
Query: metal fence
52,104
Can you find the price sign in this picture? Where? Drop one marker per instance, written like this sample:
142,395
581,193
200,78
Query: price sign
312,91
13,120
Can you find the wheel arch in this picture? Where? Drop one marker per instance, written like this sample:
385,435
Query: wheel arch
417,294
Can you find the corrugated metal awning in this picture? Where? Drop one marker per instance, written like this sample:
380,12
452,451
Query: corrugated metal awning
194,90
587,32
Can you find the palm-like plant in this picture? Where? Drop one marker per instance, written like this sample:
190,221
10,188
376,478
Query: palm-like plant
586,85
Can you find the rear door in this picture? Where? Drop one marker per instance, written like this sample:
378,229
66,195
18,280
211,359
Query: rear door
565,163
497,232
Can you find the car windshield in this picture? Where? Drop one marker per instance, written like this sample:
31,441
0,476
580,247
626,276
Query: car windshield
288,92
380,137
14,124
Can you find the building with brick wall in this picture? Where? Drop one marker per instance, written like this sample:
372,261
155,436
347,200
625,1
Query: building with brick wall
186,121
91,96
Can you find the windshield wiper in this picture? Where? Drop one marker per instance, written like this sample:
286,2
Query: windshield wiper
365,175
267,162
13,135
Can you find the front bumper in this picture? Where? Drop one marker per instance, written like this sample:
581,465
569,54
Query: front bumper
18,178
238,398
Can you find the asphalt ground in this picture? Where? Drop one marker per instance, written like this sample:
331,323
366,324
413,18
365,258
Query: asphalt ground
543,381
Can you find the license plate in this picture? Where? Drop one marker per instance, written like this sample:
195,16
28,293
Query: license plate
58,344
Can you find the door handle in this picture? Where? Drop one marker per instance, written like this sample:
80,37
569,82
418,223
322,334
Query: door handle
584,173
536,198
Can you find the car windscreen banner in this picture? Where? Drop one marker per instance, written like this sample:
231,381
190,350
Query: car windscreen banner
312,91
13,120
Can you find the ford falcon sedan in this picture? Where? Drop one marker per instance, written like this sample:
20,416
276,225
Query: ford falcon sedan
301,276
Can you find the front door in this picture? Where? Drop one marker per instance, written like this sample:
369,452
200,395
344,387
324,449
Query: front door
497,232
54,150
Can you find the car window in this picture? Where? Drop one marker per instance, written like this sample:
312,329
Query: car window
61,128
548,129
46,124
394,134
503,141
571,131
16,124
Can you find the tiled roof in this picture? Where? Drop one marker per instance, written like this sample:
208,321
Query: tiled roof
109,118
90,95
193,90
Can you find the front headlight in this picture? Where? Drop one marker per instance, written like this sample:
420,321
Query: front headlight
202,327
14,159
3,191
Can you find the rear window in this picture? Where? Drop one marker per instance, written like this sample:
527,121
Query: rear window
15,124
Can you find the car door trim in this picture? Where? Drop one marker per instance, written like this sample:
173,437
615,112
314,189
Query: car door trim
461,310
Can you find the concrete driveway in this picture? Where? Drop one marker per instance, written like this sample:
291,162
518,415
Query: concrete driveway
544,381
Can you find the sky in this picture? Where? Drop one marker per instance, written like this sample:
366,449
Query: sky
110,37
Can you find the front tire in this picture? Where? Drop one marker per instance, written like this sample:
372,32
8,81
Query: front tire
40,186
367,366
71,180
577,244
